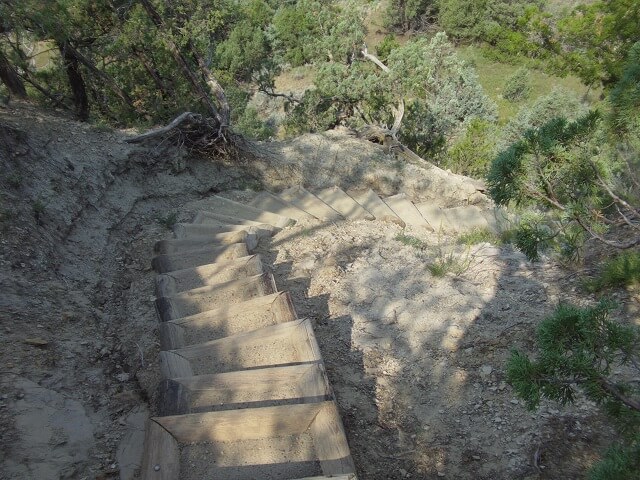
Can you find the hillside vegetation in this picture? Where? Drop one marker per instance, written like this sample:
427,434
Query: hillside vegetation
540,99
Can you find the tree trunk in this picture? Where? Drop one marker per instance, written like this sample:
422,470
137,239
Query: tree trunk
10,77
76,82
220,112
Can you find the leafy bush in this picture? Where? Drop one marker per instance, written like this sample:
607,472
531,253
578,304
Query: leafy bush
478,235
384,48
517,87
249,124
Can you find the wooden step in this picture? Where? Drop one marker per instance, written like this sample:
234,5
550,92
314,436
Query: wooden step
467,218
435,216
271,203
224,206
228,320
169,284
199,242
404,208
279,442
282,344
187,230
262,387
342,203
205,298
311,204
195,258
374,205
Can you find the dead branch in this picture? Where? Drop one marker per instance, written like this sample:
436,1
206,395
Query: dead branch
398,112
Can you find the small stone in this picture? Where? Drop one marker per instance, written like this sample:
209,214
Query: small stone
476,457
486,370
514,401
123,377
441,474
36,342
156,467
403,472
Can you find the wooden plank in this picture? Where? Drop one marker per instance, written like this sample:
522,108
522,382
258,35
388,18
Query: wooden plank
283,344
330,441
466,218
171,283
229,320
161,457
174,365
250,388
198,242
404,208
435,216
311,204
342,203
172,336
209,297
186,230
244,424
271,203
374,205
194,258
224,206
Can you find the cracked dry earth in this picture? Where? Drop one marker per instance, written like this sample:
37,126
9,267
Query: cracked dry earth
416,361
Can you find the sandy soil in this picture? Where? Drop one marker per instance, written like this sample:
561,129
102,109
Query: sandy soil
416,361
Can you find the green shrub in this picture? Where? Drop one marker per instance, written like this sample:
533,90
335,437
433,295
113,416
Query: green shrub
384,48
518,86
410,241
580,348
249,124
472,153
621,271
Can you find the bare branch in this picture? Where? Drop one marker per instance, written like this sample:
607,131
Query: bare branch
175,123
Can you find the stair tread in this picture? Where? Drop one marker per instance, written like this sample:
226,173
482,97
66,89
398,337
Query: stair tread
285,441
170,283
197,300
271,203
435,216
281,344
342,203
466,218
307,201
406,210
179,261
228,320
174,245
259,387
230,208
374,205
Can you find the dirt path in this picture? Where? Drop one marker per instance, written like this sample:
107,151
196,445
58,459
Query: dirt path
416,360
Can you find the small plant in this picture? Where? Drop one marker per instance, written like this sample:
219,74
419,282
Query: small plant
410,241
450,261
14,180
479,235
580,348
621,271
38,208
169,220
517,87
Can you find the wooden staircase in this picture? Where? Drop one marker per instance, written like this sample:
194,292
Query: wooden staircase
244,393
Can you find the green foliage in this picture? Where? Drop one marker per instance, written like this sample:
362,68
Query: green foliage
625,96
531,235
478,235
249,124
558,103
411,241
416,15
471,154
621,271
620,462
517,87
384,48
579,348
169,220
